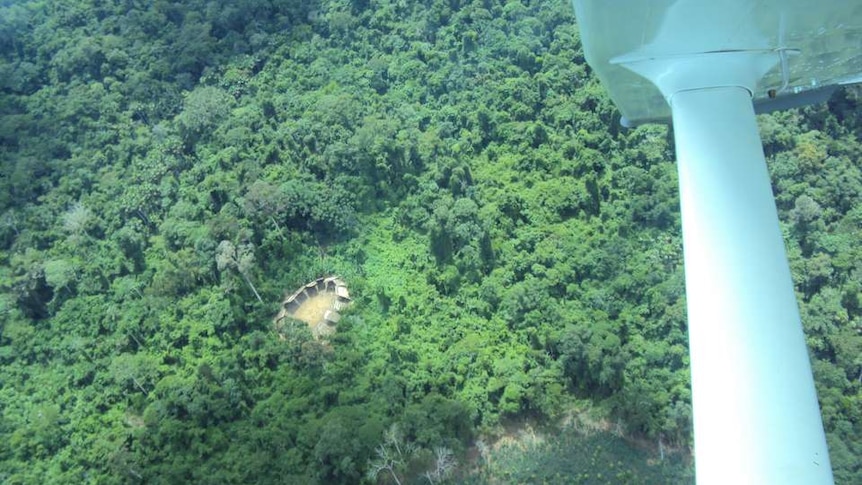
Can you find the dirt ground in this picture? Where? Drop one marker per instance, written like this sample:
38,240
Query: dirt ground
312,310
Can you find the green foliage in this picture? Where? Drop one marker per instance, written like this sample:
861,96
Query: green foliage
170,169
571,456
203,109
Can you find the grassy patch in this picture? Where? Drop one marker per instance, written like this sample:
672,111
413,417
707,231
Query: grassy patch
578,458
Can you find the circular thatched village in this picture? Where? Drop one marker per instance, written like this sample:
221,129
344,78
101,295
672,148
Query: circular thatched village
318,304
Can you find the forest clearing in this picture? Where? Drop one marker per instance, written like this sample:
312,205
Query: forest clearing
169,169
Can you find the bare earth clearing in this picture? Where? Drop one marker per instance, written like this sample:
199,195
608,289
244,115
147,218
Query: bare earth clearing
318,304
313,309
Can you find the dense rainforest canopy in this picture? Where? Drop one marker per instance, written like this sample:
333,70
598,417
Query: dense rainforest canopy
514,255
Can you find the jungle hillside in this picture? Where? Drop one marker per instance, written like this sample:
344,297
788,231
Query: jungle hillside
171,170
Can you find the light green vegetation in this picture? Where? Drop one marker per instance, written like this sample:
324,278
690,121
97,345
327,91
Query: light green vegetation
511,251
570,456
